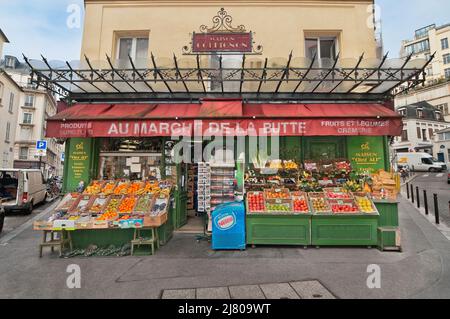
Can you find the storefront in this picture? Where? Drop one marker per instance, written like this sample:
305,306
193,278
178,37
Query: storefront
327,122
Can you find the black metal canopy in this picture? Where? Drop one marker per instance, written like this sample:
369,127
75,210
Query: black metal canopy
252,79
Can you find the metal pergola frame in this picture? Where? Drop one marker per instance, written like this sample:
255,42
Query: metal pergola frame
290,84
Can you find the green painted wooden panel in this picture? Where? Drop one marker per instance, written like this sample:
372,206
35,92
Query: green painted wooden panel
324,147
344,230
278,230
165,232
387,237
388,213
101,237
81,155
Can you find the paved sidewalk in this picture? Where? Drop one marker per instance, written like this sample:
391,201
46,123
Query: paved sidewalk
421,270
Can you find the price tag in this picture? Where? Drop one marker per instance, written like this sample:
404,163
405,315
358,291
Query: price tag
278,201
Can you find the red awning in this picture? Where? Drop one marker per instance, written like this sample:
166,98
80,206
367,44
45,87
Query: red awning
224,117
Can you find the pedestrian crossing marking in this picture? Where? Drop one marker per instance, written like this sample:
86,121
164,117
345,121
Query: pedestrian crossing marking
439,175
426,175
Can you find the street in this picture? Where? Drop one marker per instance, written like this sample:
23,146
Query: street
434,183
15,220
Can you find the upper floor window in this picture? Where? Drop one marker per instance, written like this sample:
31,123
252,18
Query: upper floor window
27,118
23,153
402,112
444,43
29,100
420,114
443,108
11,102
321,47
136,48
447,73
446,58
8,131
418,47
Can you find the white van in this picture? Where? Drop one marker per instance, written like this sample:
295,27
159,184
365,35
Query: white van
22,189
420,162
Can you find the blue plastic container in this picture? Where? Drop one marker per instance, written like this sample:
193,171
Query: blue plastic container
228,227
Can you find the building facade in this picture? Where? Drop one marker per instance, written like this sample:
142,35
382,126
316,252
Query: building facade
139,27
441,145
10,93
428,40
421,121
35,105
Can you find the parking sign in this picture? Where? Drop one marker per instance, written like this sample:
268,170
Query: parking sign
41,148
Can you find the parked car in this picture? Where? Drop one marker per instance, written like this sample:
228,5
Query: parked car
448,178
420,162
2,216
22,189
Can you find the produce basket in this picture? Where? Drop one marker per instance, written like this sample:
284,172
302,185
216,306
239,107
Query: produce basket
108,187
365,204
319,203
94,188
144,204
121,188
99,203
278,205
300,203
67,202
277,193
127,204
255,202
337,193
81,205
344,206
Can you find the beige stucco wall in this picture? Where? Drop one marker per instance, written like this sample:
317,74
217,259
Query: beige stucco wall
279,26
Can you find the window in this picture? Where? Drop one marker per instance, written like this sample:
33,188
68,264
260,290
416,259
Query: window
429,70
419,113
11,102
8,129
418,47
444,43
431,133
29,100
424,134
27,118
323,47
402,112
23,153
137,48
446,58
447,73
404,136
427,160
441,137
444,108
419,135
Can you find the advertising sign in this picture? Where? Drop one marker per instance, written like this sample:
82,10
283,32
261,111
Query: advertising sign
221,42
366,153
78,161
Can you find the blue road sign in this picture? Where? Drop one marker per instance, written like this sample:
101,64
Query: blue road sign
41,145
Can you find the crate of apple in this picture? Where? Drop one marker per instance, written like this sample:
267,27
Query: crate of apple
337,193
344,207
255,202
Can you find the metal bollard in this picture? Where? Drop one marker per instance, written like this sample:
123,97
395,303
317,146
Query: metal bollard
436,209
418,197
412,193
425,200
407,190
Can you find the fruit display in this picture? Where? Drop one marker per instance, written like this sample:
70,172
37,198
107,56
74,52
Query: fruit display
277,194
320,204
127,205
256,201
337,193
134,188
68,201
107,216
94,189
343,206
113,205
108,188
121,189
81,204
124,217
283,207
144,203
290,165
365,204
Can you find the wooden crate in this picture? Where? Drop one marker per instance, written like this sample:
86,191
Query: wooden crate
155,221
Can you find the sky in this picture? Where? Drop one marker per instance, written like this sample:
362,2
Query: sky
36,27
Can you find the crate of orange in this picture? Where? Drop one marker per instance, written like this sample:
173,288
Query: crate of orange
108,188
135,188
277,193
94,188
127,204
121,188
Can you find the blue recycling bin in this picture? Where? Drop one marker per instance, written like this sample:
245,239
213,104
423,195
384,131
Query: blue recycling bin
228,226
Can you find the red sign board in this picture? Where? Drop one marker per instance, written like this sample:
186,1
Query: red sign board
221,42
226,127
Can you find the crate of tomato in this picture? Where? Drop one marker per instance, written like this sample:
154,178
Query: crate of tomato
344,206
255,202
300,202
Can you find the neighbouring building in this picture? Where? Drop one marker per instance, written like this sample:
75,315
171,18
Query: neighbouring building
428,40
10,93
421,121
436,91
441,145
35,105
